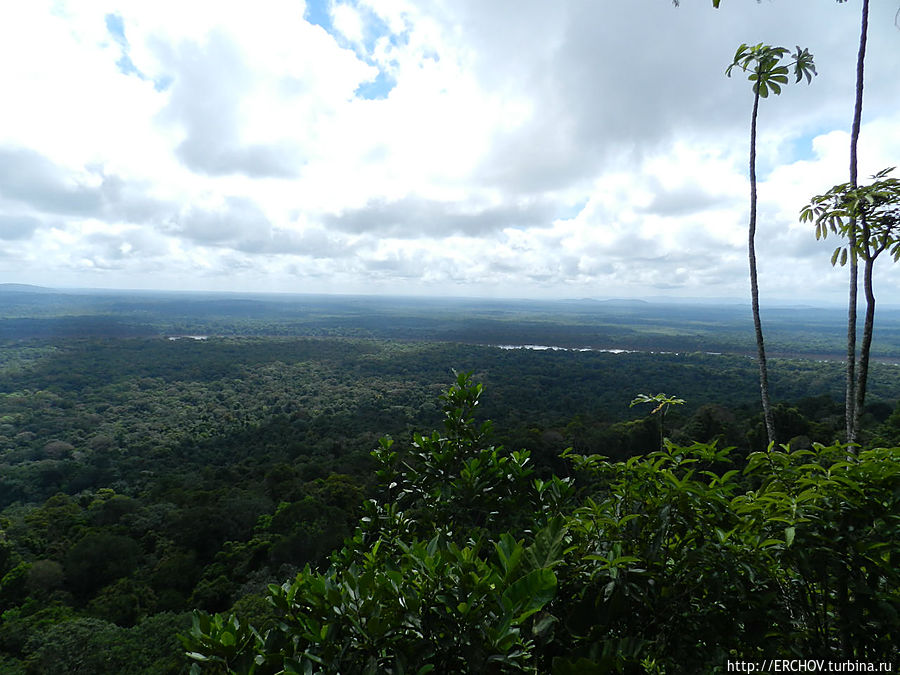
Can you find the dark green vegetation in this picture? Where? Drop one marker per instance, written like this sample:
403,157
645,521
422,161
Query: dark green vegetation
142,478
671,562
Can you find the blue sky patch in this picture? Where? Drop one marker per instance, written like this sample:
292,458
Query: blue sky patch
571,211
801,147
374,28
399,39
376,89
116,28
163,83
318,13
126,67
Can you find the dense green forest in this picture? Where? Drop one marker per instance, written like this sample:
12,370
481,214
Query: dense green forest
227,483
800,330
143,477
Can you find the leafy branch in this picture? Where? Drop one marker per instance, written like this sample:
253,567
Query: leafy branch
872,210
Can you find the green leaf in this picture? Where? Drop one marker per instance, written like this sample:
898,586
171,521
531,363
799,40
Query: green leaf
547,549
543,624
789,533
529,594
509,551
198,657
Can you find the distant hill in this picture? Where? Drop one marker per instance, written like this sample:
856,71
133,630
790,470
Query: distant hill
25,288
611,302
624,302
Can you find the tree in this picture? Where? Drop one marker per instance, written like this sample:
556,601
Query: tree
663,403
850,412
669,562
869,217
430,581
768,74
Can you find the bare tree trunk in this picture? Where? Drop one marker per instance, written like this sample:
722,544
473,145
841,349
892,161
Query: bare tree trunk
868,328
754,286
850,394
851,398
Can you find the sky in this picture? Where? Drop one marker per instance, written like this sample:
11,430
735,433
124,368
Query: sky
511,148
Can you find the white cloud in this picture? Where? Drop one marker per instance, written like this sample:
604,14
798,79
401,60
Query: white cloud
518,148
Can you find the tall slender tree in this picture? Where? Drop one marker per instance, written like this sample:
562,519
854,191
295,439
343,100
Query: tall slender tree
869,217
851,397
851,413
768,73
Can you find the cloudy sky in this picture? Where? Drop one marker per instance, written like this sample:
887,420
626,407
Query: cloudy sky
433,147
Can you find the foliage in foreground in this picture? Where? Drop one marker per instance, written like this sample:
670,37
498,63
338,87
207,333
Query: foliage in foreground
666,562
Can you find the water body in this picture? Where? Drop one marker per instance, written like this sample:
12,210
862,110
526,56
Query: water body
804,357
554,348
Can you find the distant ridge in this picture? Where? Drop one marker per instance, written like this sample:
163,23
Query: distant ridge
26,288
624,302
615,302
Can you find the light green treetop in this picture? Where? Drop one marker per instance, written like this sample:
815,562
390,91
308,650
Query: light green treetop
767,72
